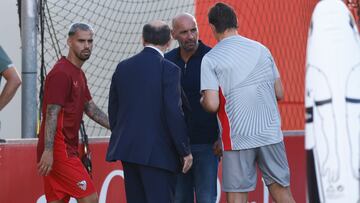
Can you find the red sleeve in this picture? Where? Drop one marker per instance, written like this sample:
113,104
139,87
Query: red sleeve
57,88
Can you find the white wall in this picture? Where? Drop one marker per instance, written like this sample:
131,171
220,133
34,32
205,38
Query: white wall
10,116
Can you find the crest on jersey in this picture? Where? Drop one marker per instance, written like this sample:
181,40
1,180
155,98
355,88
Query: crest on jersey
82,185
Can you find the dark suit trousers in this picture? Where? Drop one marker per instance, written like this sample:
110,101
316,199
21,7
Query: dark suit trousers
145,184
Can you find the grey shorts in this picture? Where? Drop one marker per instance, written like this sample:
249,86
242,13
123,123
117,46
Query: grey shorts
239,167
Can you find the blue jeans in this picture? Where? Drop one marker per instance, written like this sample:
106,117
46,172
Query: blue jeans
201,178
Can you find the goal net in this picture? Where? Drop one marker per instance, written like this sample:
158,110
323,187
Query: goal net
281,25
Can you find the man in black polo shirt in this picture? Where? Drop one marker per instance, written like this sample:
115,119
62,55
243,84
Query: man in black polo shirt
202,126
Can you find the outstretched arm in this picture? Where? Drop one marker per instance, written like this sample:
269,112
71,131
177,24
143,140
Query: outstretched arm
13,81
96,114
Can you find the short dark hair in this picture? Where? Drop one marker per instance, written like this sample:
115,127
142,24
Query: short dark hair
79,26
223,17
156,35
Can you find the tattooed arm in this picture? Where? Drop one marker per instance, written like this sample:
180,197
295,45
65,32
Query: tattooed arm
97,114
46,161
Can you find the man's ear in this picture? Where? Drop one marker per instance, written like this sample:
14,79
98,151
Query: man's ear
142,40
213,29
173,34
68,41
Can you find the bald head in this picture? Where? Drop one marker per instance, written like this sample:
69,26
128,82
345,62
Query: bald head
185,31
156,32
180,18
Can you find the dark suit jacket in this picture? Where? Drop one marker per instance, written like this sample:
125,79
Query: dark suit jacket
145,113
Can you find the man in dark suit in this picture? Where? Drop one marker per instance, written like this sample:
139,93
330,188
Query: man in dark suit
146,120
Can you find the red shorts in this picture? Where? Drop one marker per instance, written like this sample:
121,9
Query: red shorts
68,178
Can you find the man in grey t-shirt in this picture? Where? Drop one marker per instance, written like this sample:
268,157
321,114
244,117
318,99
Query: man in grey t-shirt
240,81
13,81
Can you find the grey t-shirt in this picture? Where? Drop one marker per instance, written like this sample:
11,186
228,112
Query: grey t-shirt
244,73
5,62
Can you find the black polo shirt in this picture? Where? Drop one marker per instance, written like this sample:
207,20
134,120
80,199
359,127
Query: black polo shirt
202,126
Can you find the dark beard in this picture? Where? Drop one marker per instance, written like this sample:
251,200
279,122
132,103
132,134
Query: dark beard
82,57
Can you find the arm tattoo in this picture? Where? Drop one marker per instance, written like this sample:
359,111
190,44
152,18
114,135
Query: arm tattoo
52,112
97,114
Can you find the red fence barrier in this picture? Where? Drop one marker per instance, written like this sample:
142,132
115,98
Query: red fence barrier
19,181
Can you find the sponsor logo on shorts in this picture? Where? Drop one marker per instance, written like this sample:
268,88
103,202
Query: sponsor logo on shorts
82,185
